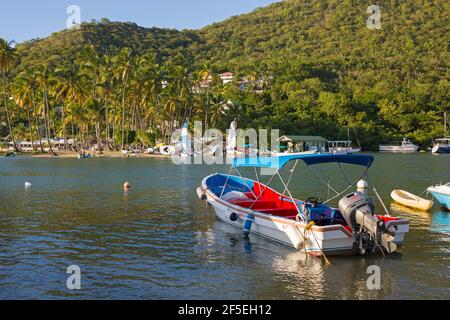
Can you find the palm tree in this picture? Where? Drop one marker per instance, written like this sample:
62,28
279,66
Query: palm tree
123,66
105,92
77,117
43,78
91,71
205,76
24,99
7,59
66,90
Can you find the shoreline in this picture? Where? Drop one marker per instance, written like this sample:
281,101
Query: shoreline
74,155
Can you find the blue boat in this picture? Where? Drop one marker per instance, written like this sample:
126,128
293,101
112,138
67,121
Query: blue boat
441,194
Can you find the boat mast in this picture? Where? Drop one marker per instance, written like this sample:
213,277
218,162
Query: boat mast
445,124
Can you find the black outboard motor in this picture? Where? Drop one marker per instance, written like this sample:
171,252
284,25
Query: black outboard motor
358,211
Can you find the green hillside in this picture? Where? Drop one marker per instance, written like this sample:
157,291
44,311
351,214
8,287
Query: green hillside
312,67
108,37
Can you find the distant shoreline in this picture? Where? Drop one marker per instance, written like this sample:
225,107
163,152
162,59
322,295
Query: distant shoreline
74,155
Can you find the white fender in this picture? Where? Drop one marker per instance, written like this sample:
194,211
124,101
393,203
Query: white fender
201,194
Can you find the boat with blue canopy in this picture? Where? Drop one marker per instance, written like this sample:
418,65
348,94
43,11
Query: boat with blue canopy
311,225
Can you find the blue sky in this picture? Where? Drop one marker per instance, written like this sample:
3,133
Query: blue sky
22,20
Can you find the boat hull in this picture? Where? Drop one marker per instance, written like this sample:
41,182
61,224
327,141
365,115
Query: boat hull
441,150
395,149
443,199
333,240
410,200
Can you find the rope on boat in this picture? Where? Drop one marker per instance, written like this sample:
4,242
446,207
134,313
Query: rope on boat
425,191
309,227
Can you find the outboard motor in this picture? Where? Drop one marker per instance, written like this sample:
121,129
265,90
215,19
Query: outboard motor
358,211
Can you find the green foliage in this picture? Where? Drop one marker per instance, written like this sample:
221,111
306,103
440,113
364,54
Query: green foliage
313,68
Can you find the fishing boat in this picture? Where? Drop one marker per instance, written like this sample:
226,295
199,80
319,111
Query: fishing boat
442,194
442,146
310,225
410,200
404,146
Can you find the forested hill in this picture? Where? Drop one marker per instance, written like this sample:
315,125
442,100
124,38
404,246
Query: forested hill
109,37
413,38
320,67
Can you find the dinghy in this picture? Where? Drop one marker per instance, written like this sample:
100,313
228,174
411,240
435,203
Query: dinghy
310,225
410,200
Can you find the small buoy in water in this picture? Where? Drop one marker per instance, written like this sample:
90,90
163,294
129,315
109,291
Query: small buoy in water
127,185
27,185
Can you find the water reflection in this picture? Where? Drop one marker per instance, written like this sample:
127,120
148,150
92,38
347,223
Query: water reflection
156,242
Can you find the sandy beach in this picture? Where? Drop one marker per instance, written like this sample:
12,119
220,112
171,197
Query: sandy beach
71,154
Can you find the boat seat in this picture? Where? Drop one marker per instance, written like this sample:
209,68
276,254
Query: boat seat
256,205
285,213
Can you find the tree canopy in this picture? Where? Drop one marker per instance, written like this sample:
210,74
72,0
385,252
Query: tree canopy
310,67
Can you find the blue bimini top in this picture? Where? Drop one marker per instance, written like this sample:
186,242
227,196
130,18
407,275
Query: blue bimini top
308,159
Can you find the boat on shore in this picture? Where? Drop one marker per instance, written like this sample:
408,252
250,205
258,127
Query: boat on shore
442,146
442,194
405,146
84,155
309,225
410,200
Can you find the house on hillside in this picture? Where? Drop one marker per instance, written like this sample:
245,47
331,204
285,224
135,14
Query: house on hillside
227,77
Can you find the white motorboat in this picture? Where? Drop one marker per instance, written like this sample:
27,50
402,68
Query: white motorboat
310,225
441,146
404,146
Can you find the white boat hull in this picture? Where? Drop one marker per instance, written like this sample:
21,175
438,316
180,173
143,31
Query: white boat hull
399,149
333,240
344,150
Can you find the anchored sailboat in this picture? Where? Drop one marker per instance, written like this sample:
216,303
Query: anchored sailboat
442,146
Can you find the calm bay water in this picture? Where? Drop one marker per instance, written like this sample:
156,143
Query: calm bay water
156,242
